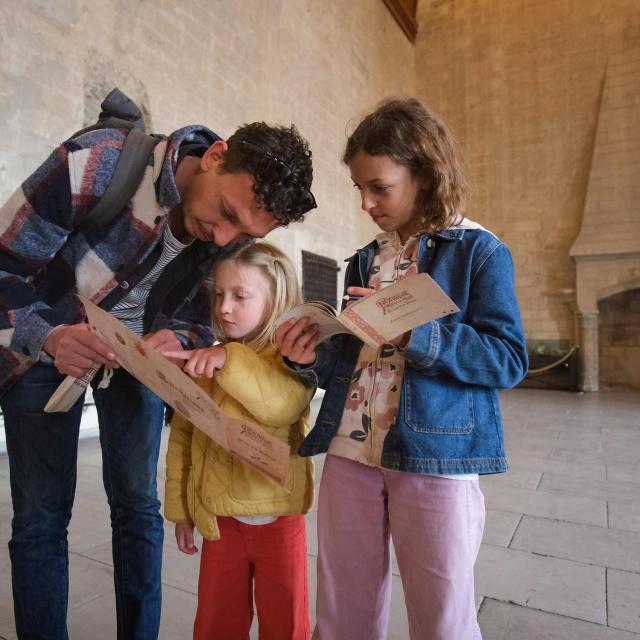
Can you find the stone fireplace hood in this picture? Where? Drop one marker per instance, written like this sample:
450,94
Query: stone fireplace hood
607,249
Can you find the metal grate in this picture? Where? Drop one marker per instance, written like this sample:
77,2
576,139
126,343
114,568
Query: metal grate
319,278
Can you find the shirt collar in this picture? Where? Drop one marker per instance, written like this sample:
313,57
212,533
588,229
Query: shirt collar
166,188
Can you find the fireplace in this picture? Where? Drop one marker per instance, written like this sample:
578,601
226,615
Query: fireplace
607,249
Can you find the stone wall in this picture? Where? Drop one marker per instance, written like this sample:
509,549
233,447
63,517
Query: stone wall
520,84
317,63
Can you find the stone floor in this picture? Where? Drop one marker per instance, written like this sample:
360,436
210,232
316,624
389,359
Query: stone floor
560,558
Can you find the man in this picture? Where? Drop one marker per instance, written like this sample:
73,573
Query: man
149,267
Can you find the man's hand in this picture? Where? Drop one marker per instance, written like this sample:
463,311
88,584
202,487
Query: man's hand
185,539
200,362
75,349
297,340
165,341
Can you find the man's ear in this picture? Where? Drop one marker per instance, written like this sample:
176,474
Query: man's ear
214,155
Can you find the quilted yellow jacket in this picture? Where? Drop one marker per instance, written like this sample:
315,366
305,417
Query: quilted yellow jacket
203,480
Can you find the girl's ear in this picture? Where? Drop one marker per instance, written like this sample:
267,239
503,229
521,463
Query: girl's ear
214,155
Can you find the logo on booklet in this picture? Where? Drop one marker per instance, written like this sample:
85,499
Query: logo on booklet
390,303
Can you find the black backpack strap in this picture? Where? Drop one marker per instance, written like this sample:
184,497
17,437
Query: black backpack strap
126,178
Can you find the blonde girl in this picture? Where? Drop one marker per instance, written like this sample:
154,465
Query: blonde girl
410,426
253,530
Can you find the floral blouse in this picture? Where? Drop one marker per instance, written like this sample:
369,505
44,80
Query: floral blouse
374,393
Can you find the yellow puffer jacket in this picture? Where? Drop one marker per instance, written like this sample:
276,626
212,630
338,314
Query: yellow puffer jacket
203,480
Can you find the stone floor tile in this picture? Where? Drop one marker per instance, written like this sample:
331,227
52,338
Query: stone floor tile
550,584
7,626
584,455
178,614
100,553
623,453
514,447
507,621
398,625
624,516
6,513
520,478
623,473
499,527
623,596
546,505
95,619
620,492
578,440
88,579
583,543
180,570
552,433
530,440
524,460
90,524
312,532
620,453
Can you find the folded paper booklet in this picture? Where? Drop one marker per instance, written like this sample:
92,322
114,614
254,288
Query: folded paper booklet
378,318
246,440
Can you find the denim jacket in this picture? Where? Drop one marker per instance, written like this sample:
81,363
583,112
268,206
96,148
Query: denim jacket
449,418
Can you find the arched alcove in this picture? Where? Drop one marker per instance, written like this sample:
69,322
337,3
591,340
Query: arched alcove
619,339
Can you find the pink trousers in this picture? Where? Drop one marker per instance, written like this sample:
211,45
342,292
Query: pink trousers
436,526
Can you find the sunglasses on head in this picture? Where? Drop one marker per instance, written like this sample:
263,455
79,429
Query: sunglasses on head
282,171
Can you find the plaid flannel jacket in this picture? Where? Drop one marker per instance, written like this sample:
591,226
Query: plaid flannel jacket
46,259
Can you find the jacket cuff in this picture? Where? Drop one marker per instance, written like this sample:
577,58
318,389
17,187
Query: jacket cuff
30,334
423,346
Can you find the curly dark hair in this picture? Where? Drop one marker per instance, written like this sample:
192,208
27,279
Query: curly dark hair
279,161
414,136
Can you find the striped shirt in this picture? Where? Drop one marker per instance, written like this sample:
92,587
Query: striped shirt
130,310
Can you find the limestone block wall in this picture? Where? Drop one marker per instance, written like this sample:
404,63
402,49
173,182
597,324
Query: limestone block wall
317,63
520,83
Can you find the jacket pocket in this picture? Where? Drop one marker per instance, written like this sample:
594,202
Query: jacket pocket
250,486
436,406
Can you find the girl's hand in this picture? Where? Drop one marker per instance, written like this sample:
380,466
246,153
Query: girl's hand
361,292
297,340
184,538
355,293
200,362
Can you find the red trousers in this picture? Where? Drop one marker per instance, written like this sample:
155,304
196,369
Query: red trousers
271,556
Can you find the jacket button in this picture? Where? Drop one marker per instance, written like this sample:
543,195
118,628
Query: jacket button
431,242
124,285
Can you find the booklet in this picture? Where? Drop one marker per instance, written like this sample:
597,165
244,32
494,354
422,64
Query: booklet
244,439
382,316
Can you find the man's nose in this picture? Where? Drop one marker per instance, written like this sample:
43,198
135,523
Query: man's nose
225,233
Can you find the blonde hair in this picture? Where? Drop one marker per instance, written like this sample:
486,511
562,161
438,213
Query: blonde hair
284,288
412,135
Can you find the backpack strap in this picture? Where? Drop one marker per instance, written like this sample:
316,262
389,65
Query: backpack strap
126,178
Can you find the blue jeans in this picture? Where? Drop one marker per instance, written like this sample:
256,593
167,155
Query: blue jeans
43,452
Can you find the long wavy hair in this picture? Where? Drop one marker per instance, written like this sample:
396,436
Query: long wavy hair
284,288
414,136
